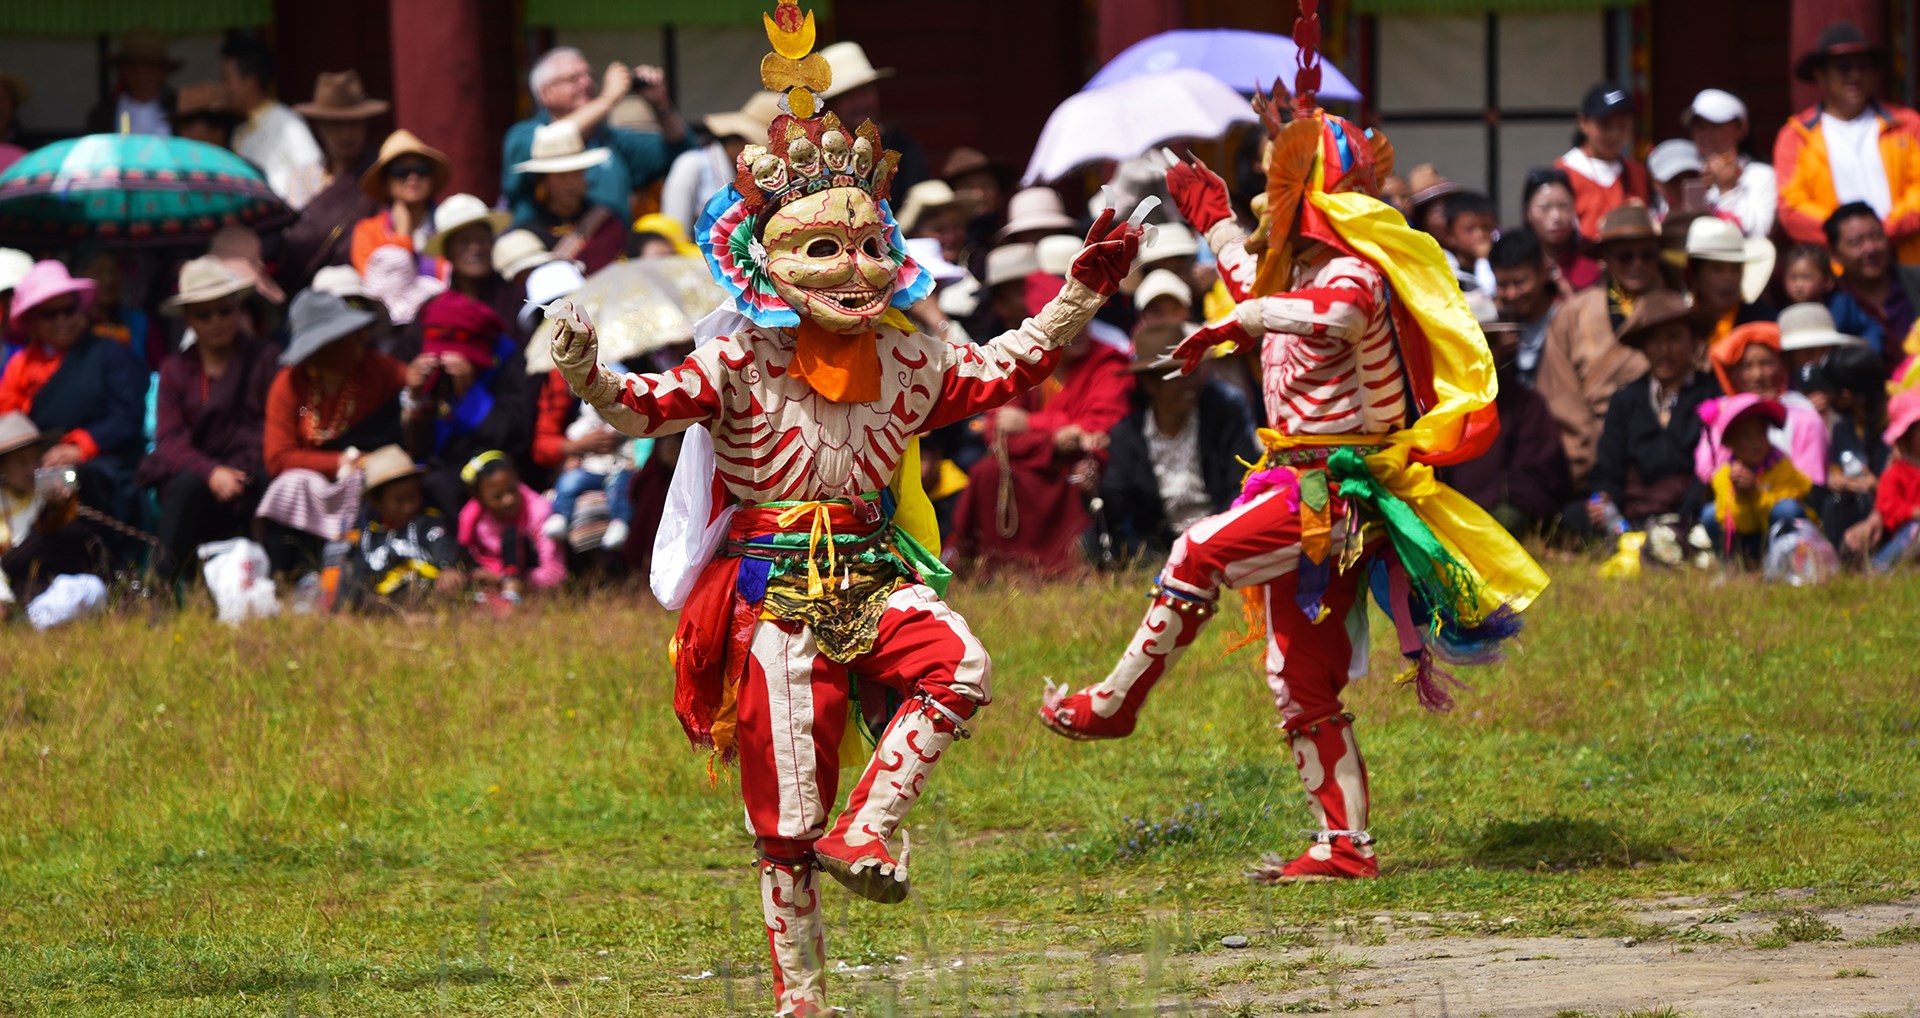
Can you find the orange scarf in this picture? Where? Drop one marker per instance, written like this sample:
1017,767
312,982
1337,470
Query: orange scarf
844,369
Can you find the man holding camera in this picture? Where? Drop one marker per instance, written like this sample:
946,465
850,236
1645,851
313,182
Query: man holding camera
562,84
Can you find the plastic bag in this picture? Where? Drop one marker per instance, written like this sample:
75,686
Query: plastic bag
68,597
241,579
1799,555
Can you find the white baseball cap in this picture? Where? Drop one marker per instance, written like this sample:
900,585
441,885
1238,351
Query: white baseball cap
1715,107
1673,157
1162,283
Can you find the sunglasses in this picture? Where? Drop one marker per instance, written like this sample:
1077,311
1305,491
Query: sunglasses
401,171
208,313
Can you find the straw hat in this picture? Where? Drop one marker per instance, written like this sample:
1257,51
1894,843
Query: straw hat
1810,327
750,121
458,213
1010,263
1162,283
1036,208
338,95
1653,310
516,251
1712,239
144,45
204,279
851,68
557,148
17,432
1426,184
316,320
48,280
1627,222
926,197
387,464
403,143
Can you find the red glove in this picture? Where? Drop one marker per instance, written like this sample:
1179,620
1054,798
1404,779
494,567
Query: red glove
1108,256
1199,194
1192,350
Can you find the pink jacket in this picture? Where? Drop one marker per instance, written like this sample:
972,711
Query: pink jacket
480,534
1806,445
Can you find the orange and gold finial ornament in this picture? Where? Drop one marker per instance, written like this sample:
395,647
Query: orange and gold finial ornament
793,67
1306,74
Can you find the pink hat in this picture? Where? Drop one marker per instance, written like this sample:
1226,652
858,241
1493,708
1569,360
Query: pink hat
1903,412
1719,414
393,278
47,280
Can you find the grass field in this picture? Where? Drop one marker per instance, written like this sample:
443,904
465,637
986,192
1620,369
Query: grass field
341,817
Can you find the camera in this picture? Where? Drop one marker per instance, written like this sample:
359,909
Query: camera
55,484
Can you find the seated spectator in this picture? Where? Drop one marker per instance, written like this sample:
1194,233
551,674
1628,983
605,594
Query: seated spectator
1008,267
395,291
1033,213
1603,173
89,393
464,229
1163,298
1522,478
40,538
1428,190
332,398
270,135
1876,299
1547,200
1736,185
1023,505
1748,362
562,86
574,228
479,394
1849,147
1525,296
323,235
516,253
404,556
696,174
608,472
112,316
983,182
206,465
1848,385
404,181
1806,275
1758,487
204,112
1898,501
503,529
1468,239
932,209
1643,466
1582,363
1726,273
1673,165
1178,457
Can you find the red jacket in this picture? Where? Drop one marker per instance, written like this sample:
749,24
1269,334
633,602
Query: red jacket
1591,202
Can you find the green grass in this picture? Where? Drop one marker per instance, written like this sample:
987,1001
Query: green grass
464,817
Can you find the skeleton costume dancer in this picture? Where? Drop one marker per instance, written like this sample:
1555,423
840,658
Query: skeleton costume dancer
1374,374
825,595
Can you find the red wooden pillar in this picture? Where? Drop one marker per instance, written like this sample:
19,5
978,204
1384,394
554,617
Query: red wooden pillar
1125,22
438,53
1811,17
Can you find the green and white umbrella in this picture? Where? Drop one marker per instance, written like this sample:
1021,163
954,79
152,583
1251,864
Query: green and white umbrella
132,189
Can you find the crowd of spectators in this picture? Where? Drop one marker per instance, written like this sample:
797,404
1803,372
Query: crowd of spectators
352,392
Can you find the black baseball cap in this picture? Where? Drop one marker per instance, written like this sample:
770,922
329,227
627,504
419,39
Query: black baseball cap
1605,100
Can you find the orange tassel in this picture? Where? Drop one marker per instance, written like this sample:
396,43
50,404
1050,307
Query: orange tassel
1253,608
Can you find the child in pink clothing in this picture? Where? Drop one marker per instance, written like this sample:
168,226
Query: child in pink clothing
500,528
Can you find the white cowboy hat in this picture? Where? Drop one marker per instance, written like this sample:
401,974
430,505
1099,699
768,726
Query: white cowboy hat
1036,208
516,251
1010,263
557,148
750,121
204,279
1810,327
1712,239
851,68
458,212
1162,283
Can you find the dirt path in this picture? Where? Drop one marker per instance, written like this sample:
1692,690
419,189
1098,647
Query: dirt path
1417,975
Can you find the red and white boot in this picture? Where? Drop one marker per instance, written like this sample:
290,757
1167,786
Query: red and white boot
1335,778
1110,709
855,852
796,934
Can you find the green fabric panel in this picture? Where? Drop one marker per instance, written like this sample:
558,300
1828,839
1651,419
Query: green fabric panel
1457,7
654,13
92,17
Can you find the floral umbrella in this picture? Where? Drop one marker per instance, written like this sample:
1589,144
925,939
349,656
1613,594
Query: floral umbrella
132,189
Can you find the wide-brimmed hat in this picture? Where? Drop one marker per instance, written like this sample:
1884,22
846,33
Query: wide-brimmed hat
239,246
13,267
459,212
144,45
205,99
393,278
926,197
1169,240
1425,184
48,280
1153,342
387,464
851,68
558,148
1715,106
516,251
204,279
1842,38
1719,414
1010,263
964,160
1626,222
403,143
342,281
1162,283
1651,311
1810,327
750,121
17,431
926,251
316,320
1056,253
1036,208
338,95
1712,239
1673,157
1903,412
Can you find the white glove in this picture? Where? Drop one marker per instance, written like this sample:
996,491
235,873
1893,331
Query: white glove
576,352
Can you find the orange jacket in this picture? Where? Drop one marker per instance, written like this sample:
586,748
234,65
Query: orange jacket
1806,180
1591,202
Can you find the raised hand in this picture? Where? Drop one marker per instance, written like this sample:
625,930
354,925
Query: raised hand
1199,194
576,352
1108,256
